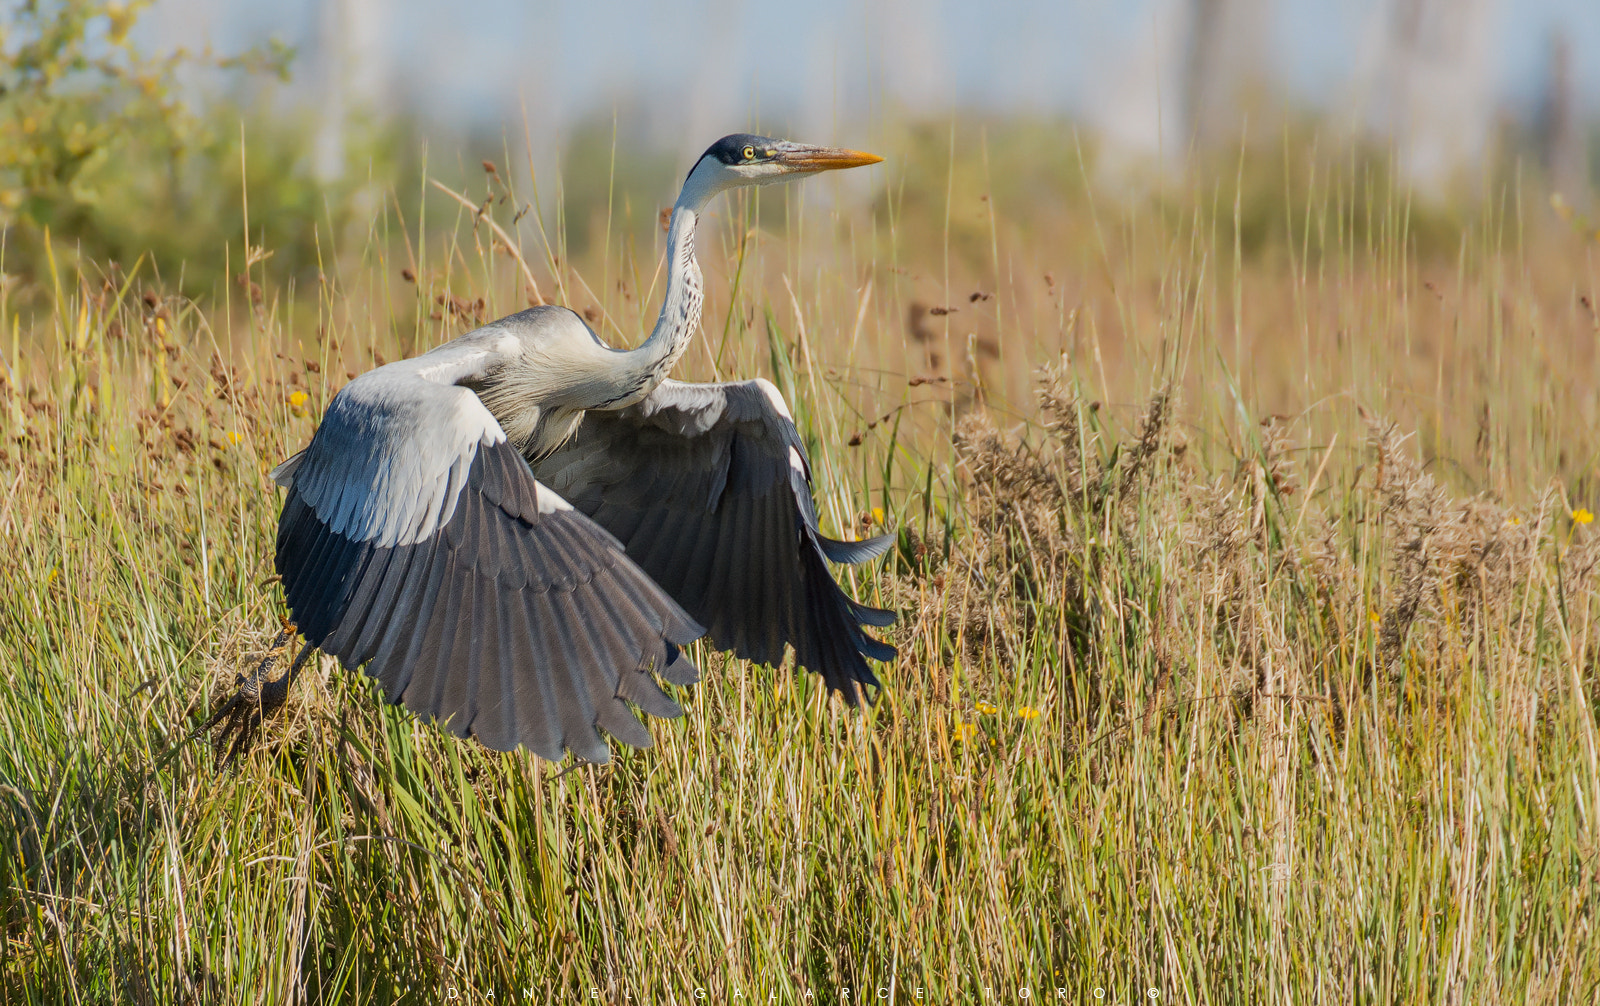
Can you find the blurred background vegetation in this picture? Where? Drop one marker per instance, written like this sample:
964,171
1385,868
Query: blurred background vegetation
1244,495
107,158
114,150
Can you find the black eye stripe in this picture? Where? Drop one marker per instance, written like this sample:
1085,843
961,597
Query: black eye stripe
743,150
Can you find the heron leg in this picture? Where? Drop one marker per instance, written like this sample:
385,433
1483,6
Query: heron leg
257,698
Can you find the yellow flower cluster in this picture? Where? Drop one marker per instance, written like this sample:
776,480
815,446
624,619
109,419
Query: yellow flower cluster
297,403
990,709
1582,516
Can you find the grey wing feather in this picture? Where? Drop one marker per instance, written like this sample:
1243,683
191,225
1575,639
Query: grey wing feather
709,488
416,543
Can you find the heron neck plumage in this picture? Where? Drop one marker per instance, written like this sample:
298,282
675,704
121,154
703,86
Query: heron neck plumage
680,308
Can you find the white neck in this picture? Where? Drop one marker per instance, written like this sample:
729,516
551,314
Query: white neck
680,308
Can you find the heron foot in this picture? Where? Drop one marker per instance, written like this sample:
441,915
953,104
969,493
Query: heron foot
238,720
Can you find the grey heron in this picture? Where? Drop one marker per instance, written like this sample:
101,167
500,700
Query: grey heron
516,531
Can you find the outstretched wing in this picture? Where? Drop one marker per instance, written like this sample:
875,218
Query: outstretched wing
709,488
416,542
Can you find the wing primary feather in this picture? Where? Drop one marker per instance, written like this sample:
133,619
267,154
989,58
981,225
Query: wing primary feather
761,632
369,608
295,525
457,687
537,695
575,708
814,649
603,660
320,608
646,537
678,669
636,685
867,615
686,580
654,550
875,648
493,719
635,632
365,585
431,668
795,620
618,720
422,655
621,520
497,549
855,551
389,632
728,574
614,654
656,604
721,561
643,692
305,575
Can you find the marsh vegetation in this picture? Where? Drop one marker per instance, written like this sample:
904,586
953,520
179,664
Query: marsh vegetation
1245,562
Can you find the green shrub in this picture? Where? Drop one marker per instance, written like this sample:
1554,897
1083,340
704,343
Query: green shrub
98,152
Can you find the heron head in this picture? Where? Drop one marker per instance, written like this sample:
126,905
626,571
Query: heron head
746,159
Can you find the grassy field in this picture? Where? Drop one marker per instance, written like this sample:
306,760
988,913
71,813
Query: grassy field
1247,577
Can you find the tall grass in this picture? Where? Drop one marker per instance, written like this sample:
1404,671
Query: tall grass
1247,605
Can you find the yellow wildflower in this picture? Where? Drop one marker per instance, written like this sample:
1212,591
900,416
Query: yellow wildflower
877,515
1582,516
234,438
1028,712
987,709
1374,617
963,731
297,403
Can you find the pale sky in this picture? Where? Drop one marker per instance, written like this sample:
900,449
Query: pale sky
701,65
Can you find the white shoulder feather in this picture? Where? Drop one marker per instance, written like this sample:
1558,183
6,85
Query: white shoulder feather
396,444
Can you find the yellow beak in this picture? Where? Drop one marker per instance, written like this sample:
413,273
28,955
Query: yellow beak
801,157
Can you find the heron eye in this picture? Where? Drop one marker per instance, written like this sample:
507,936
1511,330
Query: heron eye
749,152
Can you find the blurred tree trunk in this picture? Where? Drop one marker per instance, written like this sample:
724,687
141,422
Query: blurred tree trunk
1434,92
1226,68
1561,127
